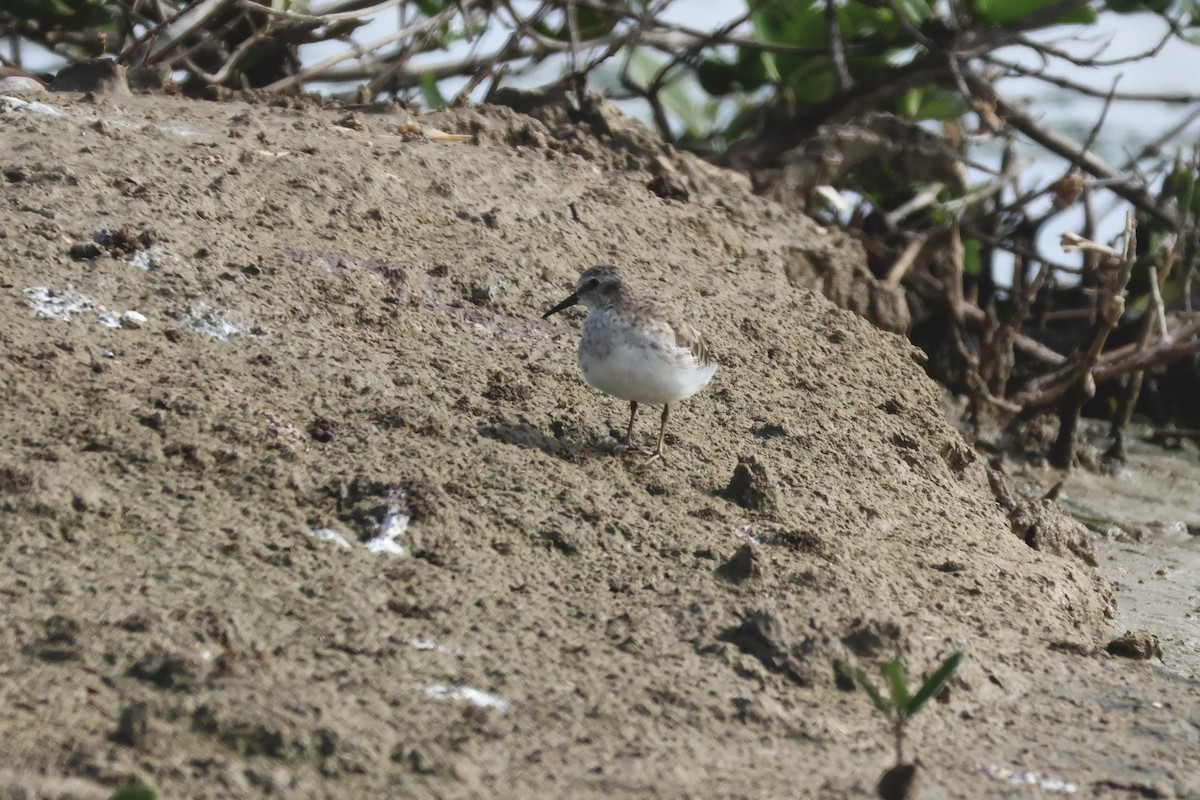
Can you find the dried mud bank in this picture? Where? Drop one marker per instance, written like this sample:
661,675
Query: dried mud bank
334,513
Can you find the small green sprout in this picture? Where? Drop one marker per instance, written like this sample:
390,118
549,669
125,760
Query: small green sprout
901,706
136,791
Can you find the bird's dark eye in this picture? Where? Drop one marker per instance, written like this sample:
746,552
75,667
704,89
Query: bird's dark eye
593,283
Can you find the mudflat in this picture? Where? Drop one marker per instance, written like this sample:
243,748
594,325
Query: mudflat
333,513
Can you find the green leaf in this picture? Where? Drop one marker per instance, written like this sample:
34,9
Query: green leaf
430,8
972,264
917,11
136,791
897,684
934,683
591,22
68,14
1177,185
429,91
790,22
747,121
715,77
931,102
859,20
1005,12
814,87
749,70
884,707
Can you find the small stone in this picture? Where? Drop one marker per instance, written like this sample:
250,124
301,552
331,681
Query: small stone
133,320
13,82
85,251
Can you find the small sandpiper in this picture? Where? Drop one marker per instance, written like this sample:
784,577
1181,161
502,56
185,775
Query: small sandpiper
637,348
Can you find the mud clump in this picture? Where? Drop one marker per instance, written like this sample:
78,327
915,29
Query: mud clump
1040,523
1137,645
747,563
751,486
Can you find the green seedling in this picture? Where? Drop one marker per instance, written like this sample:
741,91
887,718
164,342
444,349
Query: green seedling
137,791
900,706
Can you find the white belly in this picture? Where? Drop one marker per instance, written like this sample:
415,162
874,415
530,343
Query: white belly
643,375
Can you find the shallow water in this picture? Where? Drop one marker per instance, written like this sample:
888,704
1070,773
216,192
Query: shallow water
1142,516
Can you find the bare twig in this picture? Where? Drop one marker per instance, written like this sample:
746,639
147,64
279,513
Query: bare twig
1067,148
1165,98
1083,383
904,263
922,199
837,52
324,19
185,24
424,26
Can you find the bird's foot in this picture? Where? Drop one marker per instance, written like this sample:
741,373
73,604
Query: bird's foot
656,455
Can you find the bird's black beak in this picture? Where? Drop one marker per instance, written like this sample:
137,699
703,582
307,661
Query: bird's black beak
570,301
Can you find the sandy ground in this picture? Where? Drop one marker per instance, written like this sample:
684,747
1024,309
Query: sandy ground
340,338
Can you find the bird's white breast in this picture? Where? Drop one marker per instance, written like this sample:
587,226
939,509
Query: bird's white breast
636,365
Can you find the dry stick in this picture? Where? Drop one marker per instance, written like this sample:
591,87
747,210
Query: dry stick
232,63
1083,386
904,263
1188,231
1169,135
682,54
995,186
320,67
1185,342
1068,148
1092,61
837,52
1056,208
509,52
650,93
1001,350
1046,390
579,81
1084,89
336,16
1018,249
153,29
924,198
415,45
184,57
464,94
1030,347
1133,386
184,25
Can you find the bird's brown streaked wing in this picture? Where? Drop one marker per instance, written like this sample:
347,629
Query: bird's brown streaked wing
687,336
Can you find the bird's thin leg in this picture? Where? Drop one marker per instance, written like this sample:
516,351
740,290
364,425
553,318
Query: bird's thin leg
628,443
662,433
